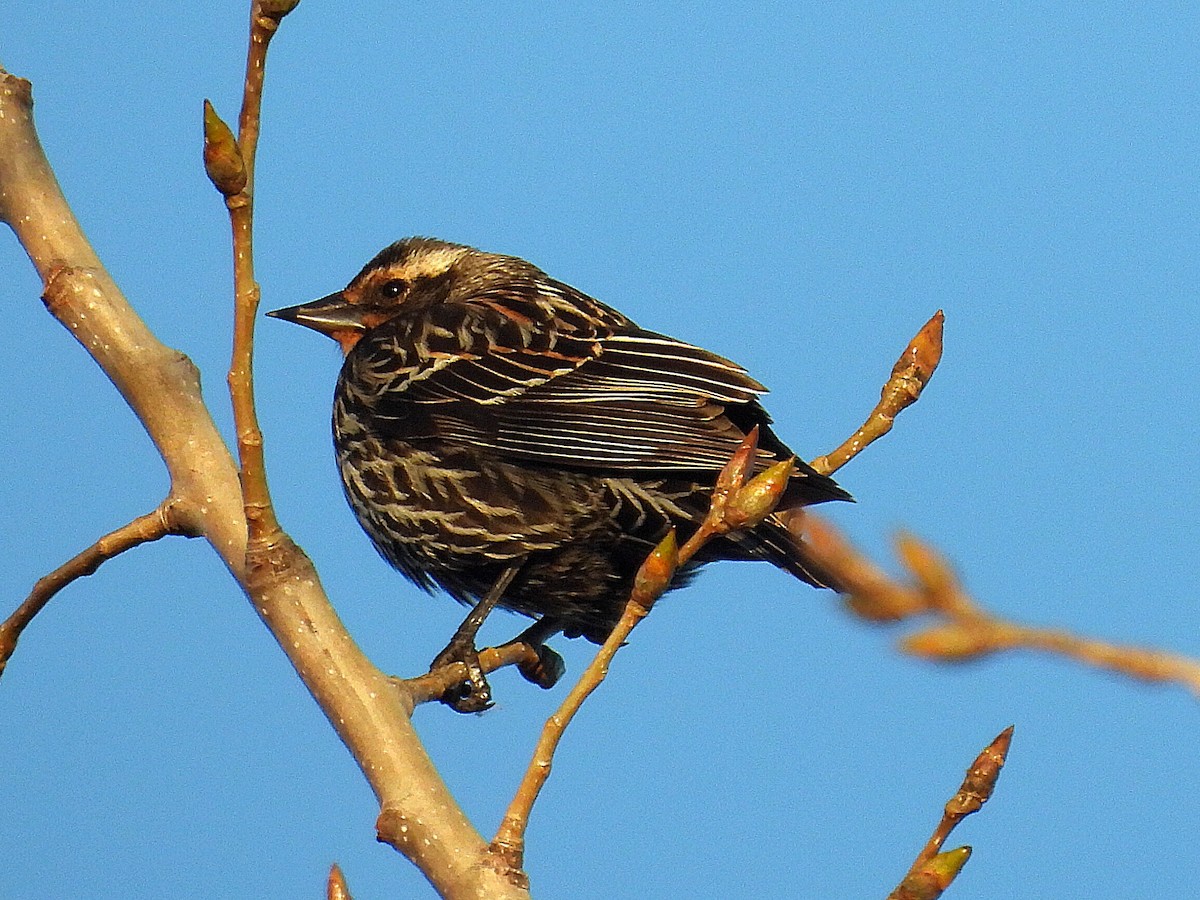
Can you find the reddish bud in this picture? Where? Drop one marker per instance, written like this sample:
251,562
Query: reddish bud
733,476
335,886
923,352
981,778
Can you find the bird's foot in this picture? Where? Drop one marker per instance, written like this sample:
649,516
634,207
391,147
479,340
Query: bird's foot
473,694
548,667
546,670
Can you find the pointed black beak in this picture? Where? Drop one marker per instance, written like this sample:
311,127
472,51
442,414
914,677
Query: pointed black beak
328,315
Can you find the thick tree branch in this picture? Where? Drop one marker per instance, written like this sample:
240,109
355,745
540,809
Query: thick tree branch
160,384
162,387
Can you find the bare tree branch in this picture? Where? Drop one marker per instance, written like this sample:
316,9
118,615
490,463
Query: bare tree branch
933,871
433,685
150,527
160,384
964,629
909,376
736,504
419,815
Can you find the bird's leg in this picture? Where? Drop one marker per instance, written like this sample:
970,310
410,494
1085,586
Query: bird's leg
474,694
549,667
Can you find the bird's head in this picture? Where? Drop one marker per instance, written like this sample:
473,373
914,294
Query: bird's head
407,276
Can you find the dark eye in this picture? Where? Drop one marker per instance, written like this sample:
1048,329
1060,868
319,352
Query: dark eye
393,289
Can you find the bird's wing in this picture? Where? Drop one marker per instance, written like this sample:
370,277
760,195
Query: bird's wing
579,386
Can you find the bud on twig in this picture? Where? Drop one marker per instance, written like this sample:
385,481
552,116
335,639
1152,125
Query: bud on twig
656,572
732,476
920,357
933,877
910,374
980,783
754,502
734,473
335,885
928,567
223,160
953,643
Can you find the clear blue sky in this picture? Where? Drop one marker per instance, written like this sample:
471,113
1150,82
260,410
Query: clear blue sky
797,187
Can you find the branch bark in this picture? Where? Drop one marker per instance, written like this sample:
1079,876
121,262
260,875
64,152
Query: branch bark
162,387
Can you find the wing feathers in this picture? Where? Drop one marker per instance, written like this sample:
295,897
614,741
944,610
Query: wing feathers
517,374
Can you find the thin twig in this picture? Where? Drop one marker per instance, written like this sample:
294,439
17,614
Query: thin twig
737,503
418,816
262,526
149,527
933,871
909,376
963,629
509,842
434,684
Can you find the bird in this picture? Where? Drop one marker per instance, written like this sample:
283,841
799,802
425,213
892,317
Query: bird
513,441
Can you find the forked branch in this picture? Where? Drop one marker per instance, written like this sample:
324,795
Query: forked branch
933,870
963,629
737,503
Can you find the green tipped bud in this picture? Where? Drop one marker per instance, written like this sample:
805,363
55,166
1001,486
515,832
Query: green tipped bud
222,156
931,878
754,502
944,867
656,572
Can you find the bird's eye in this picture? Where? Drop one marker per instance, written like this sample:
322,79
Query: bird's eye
393,289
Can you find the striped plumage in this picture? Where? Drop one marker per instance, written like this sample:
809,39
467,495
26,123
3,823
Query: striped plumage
488,416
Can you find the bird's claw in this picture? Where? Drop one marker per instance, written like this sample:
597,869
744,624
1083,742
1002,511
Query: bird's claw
546,670
473,694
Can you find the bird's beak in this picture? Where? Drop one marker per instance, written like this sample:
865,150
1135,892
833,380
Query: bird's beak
333,316
328,315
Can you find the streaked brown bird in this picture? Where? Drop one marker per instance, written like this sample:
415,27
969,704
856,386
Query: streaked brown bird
516,442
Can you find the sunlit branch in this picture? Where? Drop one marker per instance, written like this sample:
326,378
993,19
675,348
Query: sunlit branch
963,629
737,503
909,376
933,870
150,527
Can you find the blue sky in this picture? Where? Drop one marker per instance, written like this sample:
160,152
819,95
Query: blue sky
798,188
